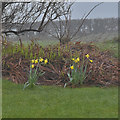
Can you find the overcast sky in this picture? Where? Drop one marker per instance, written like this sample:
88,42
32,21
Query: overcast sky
105,10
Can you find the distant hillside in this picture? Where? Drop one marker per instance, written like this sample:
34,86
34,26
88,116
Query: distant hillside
90,27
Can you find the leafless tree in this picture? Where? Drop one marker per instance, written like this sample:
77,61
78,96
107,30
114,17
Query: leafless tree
24,15
62,29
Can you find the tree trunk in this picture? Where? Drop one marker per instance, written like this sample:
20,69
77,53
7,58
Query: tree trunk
21,45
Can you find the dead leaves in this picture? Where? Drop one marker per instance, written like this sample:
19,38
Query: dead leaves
104,67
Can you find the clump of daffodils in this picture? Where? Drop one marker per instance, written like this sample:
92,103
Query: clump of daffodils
76,60
39,60
36,61
77,73
34,73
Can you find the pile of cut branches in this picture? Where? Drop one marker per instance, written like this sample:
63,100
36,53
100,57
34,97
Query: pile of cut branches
104,67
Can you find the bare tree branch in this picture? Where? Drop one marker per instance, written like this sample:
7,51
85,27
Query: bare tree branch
83,20
20,17
23,14
63,28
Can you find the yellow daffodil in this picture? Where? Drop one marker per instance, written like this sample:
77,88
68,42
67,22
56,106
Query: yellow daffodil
91,61
32,61
41,59
36,61
72,67
32,66
78,59
73,59
45,61
87,55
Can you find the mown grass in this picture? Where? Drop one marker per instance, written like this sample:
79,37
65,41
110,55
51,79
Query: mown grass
54,102
57,102
43,43
110,45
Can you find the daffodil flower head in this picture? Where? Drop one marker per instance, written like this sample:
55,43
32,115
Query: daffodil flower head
41,59
32,61
78,59
87,56
45,61
91,61
36,61
72,67
32,66
73,59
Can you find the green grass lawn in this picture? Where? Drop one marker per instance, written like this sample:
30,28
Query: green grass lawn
43,43
110,45
57,102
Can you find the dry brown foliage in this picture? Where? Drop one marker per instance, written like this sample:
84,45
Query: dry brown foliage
104,67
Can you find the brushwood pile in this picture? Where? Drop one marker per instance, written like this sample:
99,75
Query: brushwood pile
16,63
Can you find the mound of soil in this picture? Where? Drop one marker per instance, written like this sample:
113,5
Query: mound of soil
104,67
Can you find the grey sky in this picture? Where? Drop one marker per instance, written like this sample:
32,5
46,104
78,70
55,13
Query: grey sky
105,10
